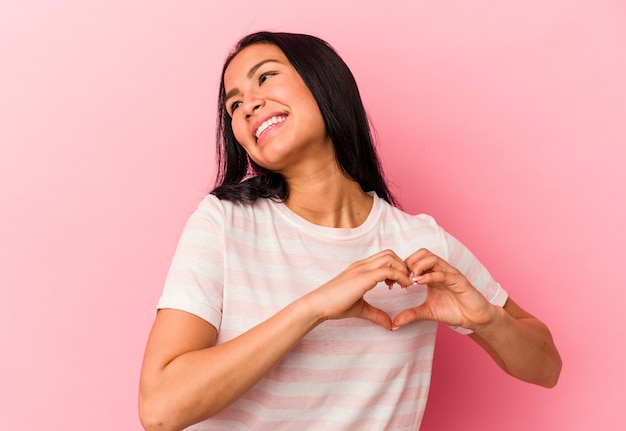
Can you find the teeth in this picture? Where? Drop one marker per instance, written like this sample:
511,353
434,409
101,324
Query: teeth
267,124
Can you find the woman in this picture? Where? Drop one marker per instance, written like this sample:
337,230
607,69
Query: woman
299,296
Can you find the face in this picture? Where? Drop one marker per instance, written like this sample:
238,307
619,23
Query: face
274,115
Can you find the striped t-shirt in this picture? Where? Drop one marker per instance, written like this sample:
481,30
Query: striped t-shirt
237,264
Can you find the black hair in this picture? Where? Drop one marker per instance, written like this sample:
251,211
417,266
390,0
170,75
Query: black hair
335,90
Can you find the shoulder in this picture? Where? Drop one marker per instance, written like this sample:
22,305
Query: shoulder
394,215
212,206
227,213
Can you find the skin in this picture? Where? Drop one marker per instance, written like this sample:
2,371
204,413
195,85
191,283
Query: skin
187,378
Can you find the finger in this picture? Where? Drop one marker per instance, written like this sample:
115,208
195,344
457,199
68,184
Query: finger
392,274
428,263
383,258
383,253
387,268
449,281
430,278
411,315
417,256
374,315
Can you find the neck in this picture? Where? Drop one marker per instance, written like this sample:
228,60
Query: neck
328,198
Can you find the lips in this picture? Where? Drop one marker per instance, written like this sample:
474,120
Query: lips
267,123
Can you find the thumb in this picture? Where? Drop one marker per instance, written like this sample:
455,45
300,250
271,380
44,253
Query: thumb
375,315
411,315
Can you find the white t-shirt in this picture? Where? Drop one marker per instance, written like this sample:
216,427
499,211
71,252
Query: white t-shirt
237,264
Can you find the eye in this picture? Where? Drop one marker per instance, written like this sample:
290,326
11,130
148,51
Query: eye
264,76
234,106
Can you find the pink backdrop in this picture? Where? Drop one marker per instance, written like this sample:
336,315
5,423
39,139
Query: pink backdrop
505,120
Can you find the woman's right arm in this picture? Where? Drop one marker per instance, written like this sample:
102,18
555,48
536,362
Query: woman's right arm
187,378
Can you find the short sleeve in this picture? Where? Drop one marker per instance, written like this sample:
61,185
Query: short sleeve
194,282
459,256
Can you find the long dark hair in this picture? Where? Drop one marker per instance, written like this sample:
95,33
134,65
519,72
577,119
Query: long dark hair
333,86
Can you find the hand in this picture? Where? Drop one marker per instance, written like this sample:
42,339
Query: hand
450,298
342,296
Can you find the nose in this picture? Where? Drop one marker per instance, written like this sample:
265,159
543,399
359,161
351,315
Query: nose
252,104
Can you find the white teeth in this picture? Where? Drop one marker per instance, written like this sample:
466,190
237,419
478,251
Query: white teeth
267,124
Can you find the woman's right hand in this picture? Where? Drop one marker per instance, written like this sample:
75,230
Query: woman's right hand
342,296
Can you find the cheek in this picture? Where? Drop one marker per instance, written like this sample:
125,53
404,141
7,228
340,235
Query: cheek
308,102
316,121
243,138
240,131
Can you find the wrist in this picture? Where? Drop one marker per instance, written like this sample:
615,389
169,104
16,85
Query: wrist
495,318
306,307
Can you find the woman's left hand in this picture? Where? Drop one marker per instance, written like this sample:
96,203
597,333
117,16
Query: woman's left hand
450,297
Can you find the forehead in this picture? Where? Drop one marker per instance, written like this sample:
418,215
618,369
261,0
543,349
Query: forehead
250,56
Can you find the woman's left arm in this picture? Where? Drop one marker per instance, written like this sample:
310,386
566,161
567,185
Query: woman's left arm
518,342
521,345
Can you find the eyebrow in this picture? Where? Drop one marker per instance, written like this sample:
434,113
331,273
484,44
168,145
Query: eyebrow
250,74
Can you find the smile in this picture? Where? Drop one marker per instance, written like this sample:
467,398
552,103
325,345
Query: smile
269,123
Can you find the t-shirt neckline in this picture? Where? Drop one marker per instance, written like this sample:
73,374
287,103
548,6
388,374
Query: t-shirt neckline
306,226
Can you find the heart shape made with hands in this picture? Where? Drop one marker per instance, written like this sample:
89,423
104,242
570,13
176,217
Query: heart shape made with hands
449,296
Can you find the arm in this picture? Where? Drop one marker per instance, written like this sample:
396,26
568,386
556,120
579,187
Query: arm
186,378
519,343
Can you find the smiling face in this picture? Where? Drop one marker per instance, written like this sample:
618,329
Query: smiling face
274,115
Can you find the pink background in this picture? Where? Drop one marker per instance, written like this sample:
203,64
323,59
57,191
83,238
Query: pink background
504,120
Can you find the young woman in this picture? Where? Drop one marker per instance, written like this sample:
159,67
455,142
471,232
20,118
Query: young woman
300,296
